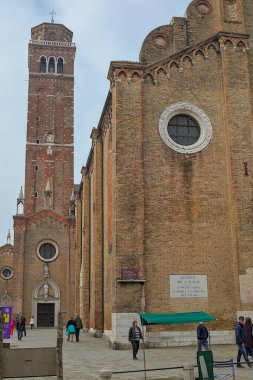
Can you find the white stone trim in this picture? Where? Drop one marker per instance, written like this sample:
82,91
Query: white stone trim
3,276
191,110
49,282
36,300
51,144
245,313
121,322
51,43
118,336
187,338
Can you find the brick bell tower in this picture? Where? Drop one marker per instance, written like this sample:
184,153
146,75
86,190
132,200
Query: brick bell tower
44,224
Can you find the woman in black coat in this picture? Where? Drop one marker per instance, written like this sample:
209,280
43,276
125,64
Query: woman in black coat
248,336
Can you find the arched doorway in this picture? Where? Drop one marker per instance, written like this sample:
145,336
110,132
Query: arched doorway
46,303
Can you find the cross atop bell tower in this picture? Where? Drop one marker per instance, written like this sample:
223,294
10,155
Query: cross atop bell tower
52,14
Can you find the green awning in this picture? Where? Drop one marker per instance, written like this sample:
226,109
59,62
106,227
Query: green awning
177,318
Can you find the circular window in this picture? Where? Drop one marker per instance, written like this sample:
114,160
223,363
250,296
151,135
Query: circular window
185,128
6,273
160,40
204,7
47,251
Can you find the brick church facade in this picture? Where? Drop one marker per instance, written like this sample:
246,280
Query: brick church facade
164,214
163,221
39,274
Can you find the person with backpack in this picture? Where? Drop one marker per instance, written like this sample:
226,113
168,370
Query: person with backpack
79,326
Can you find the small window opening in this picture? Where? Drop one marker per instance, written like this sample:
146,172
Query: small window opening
38,118
43,65
51,65
36,168
60,66
37,141
36,194
50,137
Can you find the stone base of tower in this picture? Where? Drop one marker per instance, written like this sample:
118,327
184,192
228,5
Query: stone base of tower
121,322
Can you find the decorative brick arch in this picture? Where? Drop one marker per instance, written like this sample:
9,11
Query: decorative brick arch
53,285
36,299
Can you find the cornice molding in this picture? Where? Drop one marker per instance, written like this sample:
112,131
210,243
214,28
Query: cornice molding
124,71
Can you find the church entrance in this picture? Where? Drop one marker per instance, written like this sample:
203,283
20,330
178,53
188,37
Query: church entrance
46,303
45,314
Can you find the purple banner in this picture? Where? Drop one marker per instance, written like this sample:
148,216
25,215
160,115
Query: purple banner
7,313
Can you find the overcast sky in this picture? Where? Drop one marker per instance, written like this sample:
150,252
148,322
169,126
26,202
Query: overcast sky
104,30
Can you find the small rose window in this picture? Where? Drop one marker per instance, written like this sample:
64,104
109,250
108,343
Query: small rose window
6,273
184,130
47,251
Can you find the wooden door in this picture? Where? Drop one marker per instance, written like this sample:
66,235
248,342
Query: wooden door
45,315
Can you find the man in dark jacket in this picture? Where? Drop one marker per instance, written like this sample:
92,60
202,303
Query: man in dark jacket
79,326
202,335
23,324
19,326
240,341
134,336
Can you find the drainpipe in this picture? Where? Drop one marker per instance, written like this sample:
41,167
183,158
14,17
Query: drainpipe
89,178
81,254
103,250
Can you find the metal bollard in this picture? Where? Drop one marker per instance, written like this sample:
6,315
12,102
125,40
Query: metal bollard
105,373
188,369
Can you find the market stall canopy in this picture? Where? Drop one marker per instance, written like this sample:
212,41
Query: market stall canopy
177,318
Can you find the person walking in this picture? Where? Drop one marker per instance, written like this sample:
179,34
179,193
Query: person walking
23,324
32,322
248,336
79,326
202,336
19,326
12,326
240,341
134,336
70,329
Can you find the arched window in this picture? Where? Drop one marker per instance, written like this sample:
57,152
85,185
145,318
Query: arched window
43,65
60,66
50,137
51,65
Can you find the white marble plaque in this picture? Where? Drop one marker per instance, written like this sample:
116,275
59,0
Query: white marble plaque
188,286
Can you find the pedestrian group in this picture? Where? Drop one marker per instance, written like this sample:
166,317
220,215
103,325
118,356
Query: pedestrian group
244,340
243,335
73,328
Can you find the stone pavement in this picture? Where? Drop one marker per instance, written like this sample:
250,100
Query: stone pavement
85,359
